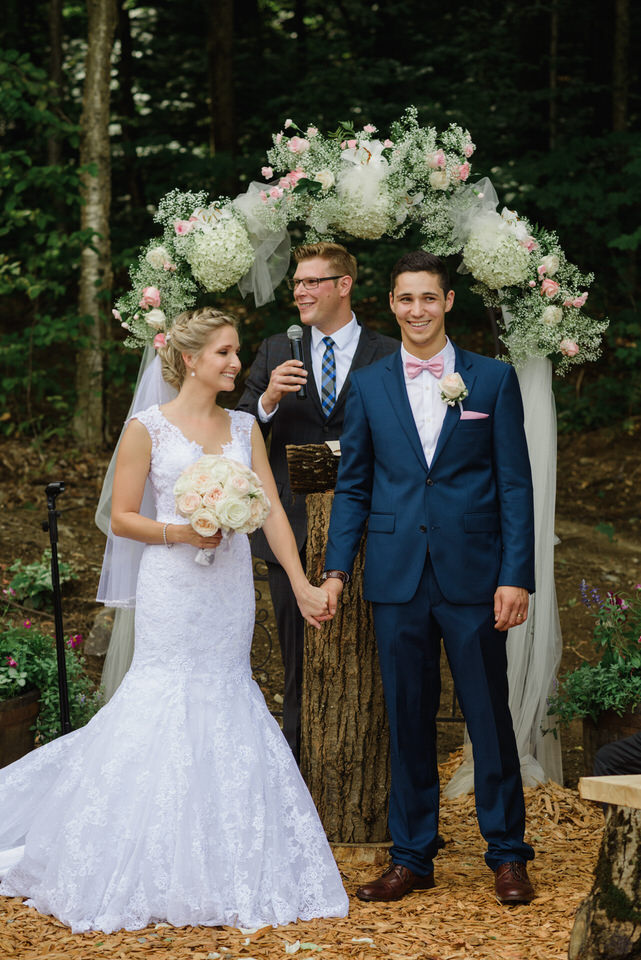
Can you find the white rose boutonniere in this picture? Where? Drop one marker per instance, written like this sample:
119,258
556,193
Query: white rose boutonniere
453,389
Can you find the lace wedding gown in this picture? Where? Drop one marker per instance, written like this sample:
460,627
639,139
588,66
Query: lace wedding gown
180,800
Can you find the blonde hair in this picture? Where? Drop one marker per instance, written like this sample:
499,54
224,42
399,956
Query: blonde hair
340,260
189,333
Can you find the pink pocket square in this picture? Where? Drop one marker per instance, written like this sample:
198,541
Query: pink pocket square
473,415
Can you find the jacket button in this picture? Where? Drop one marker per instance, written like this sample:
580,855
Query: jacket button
325,429
429,482
423,528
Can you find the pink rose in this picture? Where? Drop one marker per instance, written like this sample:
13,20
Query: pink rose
298,145
567,303
387,144
188,503
275,192
436,160
267,173
469,149
263,196
541,270
288,124
530,244
311,131
116,314
369,128
212,496
531,283
569,348
352,144
464,171
549,288
580,301
160,341
295,176
182,227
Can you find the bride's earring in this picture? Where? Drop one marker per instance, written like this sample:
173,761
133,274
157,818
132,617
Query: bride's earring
193,373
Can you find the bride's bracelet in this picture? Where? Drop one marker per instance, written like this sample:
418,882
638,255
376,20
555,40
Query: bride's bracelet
164,537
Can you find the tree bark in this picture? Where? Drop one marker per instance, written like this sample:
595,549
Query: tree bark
620,71
95,263
608,922
344,733
220,35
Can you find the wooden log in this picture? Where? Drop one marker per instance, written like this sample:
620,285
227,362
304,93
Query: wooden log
607,925
344,733
312,467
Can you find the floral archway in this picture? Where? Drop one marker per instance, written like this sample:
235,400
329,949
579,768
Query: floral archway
354,184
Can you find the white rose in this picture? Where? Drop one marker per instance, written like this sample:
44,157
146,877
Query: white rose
182,485
552,316
213,496
234,513
157,257
156,319
439,180
551,264
201,482
188,503
204,522
326,179
452,386
240,484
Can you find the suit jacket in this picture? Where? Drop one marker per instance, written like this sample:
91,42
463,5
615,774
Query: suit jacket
300,421
472,508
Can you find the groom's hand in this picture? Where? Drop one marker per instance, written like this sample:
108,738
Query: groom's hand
510,607
333,587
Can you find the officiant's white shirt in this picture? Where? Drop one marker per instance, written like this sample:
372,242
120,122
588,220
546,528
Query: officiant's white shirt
424,394
345,344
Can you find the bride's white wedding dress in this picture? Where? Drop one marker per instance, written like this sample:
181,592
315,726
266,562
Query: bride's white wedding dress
180,800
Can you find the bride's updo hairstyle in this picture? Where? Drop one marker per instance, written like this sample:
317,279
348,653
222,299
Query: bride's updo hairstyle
190,333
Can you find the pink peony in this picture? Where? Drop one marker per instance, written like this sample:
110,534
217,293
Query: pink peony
160,341
579,301
182,227
266,172
569,348
549,288
469,149
298,145
369,128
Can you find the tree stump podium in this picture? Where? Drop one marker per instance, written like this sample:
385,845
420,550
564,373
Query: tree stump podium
607,925
344,733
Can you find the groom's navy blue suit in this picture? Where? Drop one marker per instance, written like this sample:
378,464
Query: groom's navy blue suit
440,539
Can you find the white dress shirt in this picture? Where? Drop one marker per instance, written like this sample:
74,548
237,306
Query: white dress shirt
345,344
424,395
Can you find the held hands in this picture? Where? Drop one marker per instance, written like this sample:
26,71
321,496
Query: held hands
312,603
510,607
185,533
287,377
333,587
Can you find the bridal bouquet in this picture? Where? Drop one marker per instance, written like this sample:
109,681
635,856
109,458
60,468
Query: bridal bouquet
217,493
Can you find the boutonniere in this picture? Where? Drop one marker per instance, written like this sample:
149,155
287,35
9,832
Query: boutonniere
453,389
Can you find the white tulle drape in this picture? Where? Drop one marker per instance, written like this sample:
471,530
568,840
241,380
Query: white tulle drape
534,649
117,587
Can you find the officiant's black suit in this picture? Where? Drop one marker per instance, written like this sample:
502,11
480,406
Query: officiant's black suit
297,421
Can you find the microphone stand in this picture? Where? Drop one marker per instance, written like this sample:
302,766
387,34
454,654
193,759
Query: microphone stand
52,491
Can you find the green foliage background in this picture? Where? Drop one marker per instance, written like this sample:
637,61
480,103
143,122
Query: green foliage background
485,66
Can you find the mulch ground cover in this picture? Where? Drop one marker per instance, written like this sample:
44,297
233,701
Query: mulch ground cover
459,919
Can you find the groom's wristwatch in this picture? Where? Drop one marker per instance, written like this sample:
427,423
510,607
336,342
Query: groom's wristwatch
339,574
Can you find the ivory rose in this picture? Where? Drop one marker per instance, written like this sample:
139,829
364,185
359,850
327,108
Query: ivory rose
150,297
439,180
204,522
156,318
241,484
212,496
549,288
234,513
452,388
569,348
549,265
326,179
188,503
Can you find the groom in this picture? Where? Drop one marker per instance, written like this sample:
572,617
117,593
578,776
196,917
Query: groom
434,461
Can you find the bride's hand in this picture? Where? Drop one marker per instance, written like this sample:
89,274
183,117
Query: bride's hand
185,533
312,603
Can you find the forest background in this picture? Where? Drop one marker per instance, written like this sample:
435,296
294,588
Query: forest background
188,94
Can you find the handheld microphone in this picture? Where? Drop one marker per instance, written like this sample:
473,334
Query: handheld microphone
295,335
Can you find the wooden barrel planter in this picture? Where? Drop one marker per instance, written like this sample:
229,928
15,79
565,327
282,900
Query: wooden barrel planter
17,717
610,726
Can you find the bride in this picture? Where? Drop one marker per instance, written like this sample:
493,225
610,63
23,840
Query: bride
180,800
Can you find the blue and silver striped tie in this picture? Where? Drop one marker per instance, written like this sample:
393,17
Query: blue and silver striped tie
328,378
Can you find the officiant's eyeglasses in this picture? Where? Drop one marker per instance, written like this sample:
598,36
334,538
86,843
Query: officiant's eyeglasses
311,283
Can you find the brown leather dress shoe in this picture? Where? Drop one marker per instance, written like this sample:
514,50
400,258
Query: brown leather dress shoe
512,884
394,884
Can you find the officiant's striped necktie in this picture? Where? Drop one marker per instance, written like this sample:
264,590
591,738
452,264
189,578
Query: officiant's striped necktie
328,378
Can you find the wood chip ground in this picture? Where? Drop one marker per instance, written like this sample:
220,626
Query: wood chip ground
458,920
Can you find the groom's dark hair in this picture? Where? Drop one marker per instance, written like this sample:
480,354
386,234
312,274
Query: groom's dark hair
418,261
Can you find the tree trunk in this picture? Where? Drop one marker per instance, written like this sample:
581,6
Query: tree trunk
220,76
344,734
620,72
608,922
95,263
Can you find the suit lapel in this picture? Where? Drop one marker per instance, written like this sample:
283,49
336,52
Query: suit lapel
462,365
394,383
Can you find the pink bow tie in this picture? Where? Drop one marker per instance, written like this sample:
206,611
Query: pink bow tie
413,367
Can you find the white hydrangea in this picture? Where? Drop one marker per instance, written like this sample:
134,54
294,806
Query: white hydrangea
494,254
218,251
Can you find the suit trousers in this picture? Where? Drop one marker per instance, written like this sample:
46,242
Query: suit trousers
291,635
409,644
